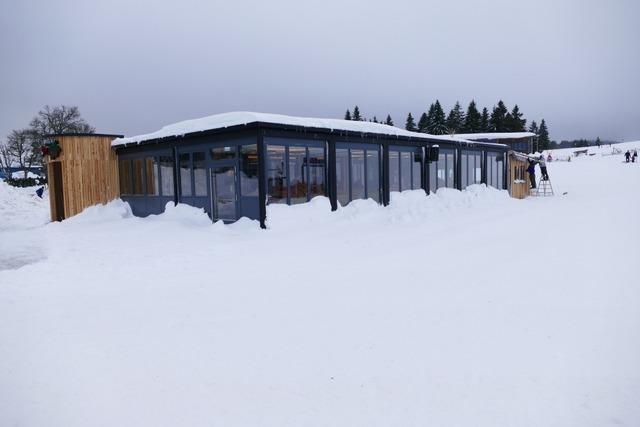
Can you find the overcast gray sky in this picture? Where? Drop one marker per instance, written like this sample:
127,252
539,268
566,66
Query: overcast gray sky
134,66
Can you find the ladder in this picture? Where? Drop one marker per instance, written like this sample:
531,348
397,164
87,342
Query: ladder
544,188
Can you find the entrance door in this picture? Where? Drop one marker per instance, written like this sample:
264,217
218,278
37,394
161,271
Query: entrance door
224,198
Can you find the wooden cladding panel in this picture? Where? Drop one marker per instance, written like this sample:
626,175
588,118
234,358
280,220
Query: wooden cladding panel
89,173
520,189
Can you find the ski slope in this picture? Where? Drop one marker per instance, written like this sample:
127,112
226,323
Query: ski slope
457,309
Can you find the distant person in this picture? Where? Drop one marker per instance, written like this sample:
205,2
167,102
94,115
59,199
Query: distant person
635,155
543,168
549,158
532,173
627,155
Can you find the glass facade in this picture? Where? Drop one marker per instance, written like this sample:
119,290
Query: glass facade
405,168
442,172
124,169
357,172
296,170
223,177
249,170
495,170
471,167
199,174
185,174
151,166
166,175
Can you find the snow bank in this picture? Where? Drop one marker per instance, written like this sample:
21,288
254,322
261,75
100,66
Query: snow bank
22,208
112,211
461,308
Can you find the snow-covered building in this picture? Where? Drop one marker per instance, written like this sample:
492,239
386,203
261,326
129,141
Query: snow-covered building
523,142
235,164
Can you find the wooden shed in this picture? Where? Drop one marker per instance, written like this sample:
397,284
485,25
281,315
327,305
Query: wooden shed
84,173
517,180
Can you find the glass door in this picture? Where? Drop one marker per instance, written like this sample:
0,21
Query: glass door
224,198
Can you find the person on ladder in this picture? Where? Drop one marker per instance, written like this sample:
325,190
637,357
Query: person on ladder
532,173
543,168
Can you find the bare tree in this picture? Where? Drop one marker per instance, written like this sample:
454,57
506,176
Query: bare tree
5,159
56,120
18,150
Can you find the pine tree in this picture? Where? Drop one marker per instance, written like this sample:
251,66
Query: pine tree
455,120
497,121
422,123
473,119
515,122
428,123
389,121
533,128
356,114
410,124
543,136
347,115
439,124
485,126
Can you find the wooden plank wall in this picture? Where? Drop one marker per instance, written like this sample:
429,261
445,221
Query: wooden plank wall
518,190
89,173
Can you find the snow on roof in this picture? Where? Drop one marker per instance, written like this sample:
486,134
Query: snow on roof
495,135
224,120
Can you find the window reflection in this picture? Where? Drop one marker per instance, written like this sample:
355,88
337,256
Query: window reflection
151,166
316,166
357,175
184,161
138,177
166,175
199,174
223,153
394,171
342,176
276,174
373,175
297,175
249,170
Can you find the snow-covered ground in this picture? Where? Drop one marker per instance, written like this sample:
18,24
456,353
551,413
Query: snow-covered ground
457,309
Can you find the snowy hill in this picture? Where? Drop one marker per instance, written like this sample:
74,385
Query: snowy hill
457,309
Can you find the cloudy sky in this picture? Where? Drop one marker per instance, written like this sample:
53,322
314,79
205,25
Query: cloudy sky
134,66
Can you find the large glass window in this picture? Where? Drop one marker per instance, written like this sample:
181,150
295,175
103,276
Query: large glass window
357,175
405,168
342,176
297,175
317,171
124,169
373,174
151,166
394,171
471,172
166,175
249,170
444,170
405,171
276,174
185,174
433,176
138,177
199,174
296,170
495,170
416,173
357,172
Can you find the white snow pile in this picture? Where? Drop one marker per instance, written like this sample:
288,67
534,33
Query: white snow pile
237,118
461,308
21,207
